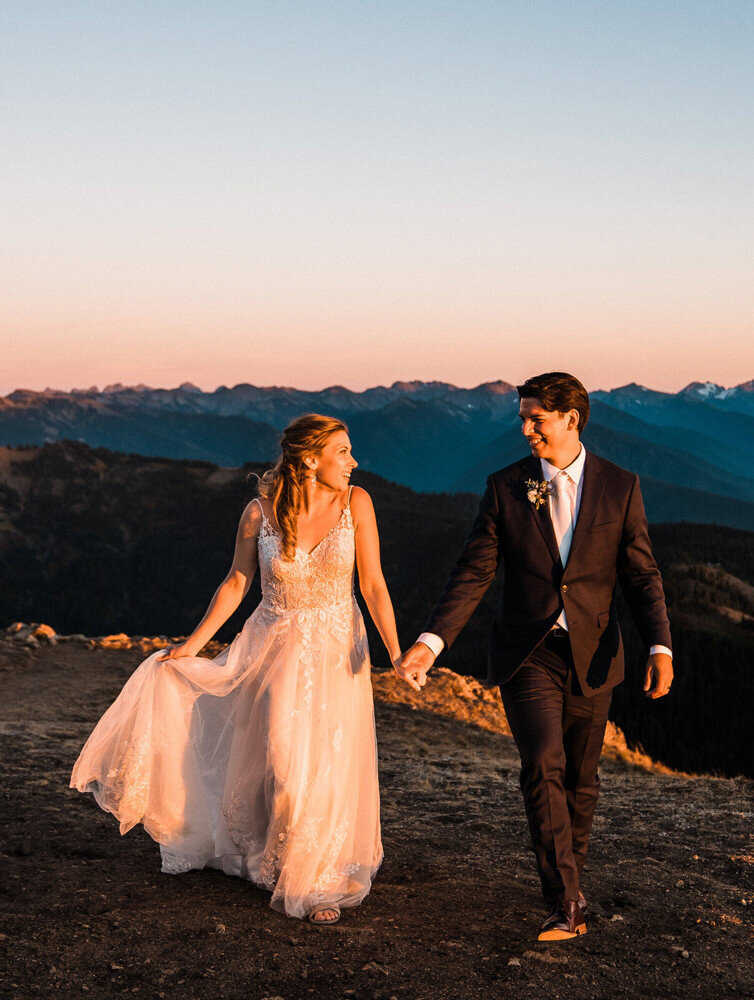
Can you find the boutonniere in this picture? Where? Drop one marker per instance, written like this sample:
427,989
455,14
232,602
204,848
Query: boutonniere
538,492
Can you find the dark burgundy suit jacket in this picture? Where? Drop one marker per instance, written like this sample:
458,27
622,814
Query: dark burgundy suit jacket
610,545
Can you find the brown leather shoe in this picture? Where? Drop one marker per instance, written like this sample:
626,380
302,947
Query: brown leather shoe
564,922
554,907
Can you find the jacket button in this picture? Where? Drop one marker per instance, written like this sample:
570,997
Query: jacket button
564,587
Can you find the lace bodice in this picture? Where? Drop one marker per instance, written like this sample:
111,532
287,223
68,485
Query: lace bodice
313,581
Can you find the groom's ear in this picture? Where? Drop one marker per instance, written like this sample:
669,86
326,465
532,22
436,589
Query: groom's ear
573,421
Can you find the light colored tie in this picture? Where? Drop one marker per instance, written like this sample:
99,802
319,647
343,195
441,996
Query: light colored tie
562,510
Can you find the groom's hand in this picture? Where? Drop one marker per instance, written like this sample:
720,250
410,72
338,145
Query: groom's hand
659,675
416,664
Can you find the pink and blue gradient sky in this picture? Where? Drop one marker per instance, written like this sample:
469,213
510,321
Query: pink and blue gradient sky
310,192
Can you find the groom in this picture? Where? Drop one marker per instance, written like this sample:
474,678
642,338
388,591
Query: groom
566,526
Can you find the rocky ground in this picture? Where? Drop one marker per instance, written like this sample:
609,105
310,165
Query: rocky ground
454,910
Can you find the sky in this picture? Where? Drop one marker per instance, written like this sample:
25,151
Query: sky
320,192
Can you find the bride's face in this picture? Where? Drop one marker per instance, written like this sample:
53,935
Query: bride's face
335,463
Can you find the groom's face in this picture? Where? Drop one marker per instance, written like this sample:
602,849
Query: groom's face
547,432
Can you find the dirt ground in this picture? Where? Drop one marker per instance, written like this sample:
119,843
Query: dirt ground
454,909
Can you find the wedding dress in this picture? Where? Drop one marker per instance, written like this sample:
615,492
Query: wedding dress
263,761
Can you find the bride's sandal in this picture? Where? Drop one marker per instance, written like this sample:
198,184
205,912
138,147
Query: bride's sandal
324,921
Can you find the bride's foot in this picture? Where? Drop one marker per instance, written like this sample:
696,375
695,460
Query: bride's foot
324,915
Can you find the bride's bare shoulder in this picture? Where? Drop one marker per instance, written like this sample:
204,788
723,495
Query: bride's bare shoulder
361,503
251,519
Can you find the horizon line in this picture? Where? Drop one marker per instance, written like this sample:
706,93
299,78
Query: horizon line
116,387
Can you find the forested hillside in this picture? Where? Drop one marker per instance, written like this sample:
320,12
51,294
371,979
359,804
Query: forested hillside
98,542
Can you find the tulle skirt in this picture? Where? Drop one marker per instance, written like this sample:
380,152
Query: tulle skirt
261,762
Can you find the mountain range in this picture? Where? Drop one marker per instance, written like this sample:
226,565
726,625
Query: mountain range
693,449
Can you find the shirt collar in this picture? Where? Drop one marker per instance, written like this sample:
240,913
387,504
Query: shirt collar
575,470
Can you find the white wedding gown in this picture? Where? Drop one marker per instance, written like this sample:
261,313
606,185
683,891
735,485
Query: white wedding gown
263,761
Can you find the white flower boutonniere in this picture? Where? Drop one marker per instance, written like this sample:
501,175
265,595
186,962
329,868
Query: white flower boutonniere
538,492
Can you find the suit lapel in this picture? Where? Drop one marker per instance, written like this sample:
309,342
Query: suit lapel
591,494
541,515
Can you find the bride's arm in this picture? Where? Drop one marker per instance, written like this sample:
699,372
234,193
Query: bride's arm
231,591
371,581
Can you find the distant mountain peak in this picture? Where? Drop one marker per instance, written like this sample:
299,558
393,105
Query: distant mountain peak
111,390
706,390
639,394
337,390
416,385
497,388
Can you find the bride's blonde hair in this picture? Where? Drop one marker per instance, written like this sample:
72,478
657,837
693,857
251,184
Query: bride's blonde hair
283,485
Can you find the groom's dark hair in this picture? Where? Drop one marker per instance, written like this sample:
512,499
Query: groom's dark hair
559,392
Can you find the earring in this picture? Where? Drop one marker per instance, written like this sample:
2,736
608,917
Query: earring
313,479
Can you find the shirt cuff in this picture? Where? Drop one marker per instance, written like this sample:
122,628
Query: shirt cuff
435,643
660,649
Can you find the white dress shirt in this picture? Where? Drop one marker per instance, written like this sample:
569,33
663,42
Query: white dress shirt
575,472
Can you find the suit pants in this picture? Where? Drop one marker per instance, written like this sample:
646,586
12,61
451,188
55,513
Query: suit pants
559,734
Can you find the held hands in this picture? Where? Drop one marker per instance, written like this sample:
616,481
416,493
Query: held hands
659,675
414,665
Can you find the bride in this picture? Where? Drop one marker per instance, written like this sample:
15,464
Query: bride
263,761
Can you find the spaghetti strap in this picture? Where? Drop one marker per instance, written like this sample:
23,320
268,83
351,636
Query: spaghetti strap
348,498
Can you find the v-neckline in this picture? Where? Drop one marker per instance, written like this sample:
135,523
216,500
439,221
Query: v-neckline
324,538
